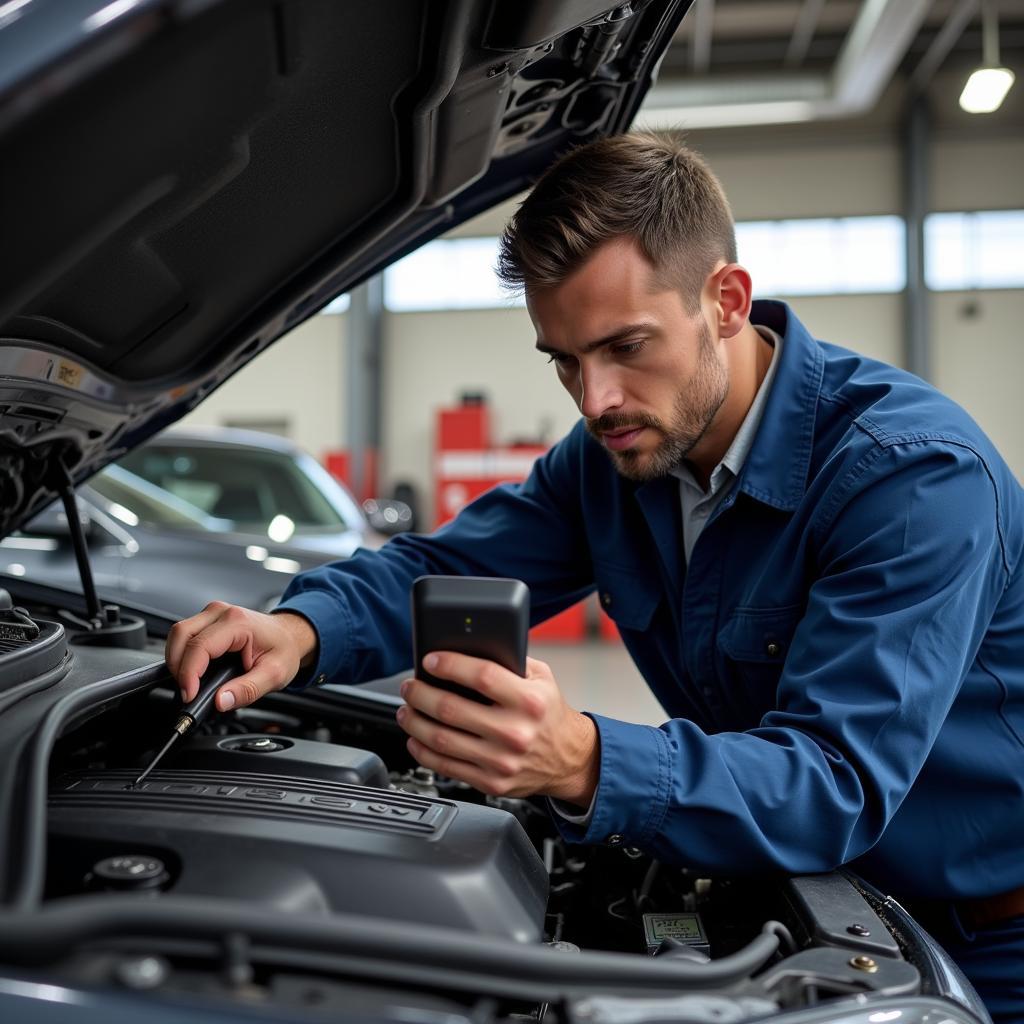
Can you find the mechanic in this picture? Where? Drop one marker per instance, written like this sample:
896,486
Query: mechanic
814,559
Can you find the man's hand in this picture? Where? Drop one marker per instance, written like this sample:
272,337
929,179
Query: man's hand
528,741
273,648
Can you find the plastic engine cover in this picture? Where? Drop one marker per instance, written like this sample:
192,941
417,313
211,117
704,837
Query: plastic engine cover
262,752
306,845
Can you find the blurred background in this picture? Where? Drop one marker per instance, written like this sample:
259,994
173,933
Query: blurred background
891,218
869,190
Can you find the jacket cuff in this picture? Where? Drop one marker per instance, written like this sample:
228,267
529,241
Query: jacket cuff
633,786
332,625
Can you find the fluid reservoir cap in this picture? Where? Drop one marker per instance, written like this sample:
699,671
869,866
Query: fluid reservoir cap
128,871
256,744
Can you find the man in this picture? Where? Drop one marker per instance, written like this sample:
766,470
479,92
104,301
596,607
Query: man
814,559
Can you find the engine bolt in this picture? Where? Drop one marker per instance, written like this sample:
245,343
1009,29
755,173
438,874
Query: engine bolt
858,929
864,963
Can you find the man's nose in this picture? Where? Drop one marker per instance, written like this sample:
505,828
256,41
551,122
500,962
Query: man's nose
599,392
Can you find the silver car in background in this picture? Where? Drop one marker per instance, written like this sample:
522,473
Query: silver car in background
264,486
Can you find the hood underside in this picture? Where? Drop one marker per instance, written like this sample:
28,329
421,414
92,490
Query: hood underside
182,182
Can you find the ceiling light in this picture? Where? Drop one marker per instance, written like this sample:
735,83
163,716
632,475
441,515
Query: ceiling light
989,84
985,90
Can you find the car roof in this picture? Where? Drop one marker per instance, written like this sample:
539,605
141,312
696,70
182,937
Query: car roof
225,437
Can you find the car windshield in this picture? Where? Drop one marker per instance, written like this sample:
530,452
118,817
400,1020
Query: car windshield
139,501
257,490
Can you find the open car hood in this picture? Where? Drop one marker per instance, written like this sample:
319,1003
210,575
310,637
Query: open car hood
183,181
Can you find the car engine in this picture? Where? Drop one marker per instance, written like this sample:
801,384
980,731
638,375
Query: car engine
291,855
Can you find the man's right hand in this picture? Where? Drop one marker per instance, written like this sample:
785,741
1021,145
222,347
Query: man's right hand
273,648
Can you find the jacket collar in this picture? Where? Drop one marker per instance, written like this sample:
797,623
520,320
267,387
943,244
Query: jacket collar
775,471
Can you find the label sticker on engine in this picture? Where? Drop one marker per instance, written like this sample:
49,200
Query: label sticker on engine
686,928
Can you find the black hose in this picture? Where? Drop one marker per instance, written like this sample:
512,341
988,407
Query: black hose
784,934
18,693
371,946
28,889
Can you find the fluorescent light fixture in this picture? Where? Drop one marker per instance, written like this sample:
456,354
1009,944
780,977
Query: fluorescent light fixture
986,89
989,84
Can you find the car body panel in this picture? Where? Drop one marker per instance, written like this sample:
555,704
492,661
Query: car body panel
168,570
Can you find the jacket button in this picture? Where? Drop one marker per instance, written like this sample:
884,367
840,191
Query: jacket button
606,599
772,649
615,839
321,679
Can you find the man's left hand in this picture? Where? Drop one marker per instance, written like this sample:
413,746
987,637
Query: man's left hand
528,741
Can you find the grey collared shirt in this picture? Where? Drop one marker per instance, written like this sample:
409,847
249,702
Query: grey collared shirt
698,504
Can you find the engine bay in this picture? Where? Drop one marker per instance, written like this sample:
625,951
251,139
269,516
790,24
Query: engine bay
293,855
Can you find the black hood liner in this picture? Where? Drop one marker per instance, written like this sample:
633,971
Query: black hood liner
192,179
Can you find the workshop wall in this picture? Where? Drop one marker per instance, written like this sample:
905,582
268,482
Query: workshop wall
299,381
430,358
978,361
489,351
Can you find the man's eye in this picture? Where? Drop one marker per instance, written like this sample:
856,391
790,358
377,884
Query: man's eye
631,348
559,357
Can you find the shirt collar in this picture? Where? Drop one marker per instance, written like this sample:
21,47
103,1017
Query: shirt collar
776,467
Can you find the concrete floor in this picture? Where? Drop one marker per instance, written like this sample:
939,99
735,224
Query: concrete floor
600,676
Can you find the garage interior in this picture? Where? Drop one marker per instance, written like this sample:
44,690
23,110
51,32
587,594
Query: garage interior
895,221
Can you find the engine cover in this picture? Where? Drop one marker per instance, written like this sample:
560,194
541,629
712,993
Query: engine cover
307,845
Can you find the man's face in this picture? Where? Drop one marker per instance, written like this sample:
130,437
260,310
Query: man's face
645,373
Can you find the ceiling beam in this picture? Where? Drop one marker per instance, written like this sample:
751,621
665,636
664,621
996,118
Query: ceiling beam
803,32
703,12
944,41
875,45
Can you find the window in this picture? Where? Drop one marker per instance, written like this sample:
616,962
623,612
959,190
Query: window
984,249
136,500
452,273
809,256
833,256
338,305
787,257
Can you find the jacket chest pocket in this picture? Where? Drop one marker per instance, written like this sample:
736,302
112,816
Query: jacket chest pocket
751,650
627,596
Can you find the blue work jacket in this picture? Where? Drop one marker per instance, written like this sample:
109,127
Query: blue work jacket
842,661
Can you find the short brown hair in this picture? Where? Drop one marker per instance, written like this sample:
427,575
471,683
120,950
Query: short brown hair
645,185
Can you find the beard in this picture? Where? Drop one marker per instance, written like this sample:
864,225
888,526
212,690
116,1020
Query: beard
696,405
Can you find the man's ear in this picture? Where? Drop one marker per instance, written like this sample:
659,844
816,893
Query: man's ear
730,290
